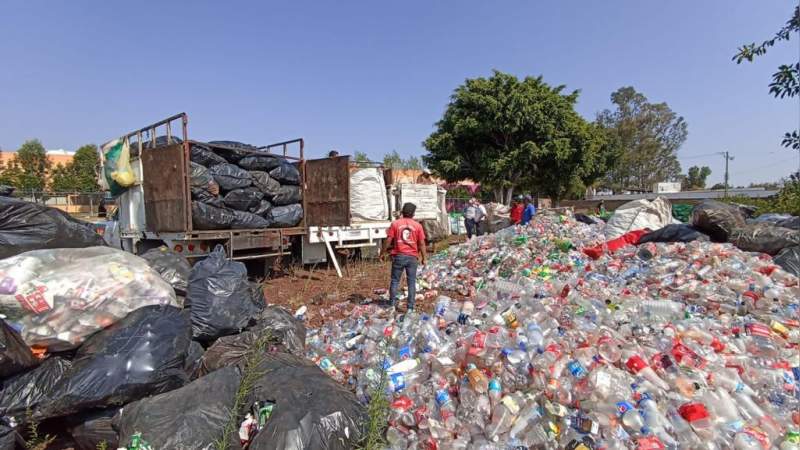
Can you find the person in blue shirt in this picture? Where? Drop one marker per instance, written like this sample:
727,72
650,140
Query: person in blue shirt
529,211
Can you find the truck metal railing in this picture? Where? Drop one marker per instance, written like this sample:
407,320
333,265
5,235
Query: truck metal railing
285,146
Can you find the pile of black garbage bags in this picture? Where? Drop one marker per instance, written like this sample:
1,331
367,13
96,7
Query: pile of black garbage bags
777,235
179,377
238,186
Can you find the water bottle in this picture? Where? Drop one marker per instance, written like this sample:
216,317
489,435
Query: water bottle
446,407
503,416
535,335
639,367
608,348
661,310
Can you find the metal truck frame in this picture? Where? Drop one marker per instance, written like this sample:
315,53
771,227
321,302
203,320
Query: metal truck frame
156,210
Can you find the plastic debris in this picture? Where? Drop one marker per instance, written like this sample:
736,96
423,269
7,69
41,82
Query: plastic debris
660,345
59,297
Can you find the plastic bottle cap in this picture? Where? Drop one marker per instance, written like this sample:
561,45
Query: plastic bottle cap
693,412
635,364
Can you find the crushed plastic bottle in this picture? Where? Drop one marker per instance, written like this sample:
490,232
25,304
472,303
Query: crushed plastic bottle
536,345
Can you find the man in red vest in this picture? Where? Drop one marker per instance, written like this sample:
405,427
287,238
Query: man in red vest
406,239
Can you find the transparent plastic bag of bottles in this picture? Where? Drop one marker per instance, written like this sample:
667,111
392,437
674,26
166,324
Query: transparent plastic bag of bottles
59,297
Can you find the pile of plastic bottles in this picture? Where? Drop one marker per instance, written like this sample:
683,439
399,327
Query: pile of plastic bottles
659,346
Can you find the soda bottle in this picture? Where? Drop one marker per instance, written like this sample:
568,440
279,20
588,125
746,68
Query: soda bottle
477,380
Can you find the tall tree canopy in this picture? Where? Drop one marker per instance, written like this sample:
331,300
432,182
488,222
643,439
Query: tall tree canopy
508,134
393,160
360,157
79,175
786,81
696,177
29,168
649,135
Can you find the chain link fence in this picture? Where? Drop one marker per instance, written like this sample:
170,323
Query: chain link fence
85,205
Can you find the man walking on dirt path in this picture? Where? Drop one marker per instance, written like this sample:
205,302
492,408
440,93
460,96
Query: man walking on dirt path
406,239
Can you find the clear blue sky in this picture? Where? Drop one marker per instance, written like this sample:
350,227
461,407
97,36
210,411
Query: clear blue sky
375,76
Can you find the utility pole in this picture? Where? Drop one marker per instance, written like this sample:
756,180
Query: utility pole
727,157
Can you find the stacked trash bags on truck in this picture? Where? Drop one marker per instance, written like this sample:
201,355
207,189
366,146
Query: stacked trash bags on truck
236,186
100,348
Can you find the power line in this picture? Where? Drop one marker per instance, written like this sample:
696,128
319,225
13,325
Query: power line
772,164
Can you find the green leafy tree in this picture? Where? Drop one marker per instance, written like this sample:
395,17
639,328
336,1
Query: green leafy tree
11,173
696,177
361,157
649,136
31,160
508,134
786,81
393,160
719,187
80,174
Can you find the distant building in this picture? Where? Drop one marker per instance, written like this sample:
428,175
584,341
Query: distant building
56,156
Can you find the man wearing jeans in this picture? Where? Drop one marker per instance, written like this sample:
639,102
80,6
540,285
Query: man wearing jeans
406,239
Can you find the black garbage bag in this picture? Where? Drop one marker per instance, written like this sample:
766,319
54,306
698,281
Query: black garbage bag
232,151
287,195
243,199
95,427
311,410
173,267
265,183
9,438
203,196
262,209
583,218
789,259
27,226
15,355
285,216
6,190
227,351
230,177
201,178
764,238
192,417
32,390
249,221
202,154
193,358
261,161
220,297
207,217
142,354
282,326
276,327
791,222
674,233
286,173
717,219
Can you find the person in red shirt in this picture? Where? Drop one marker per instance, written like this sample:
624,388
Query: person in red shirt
406,239
516,211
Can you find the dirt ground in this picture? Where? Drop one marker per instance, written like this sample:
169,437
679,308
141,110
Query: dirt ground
328,297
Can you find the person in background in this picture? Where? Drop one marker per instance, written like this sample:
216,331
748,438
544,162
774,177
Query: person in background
425,177
601,208
333,154
406,239
481,218
516,211
529,211
470,212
